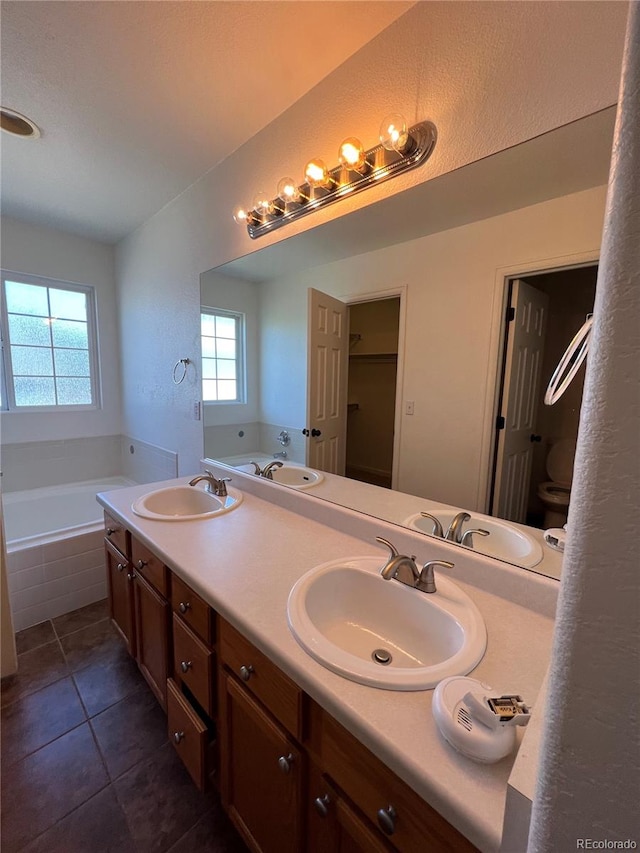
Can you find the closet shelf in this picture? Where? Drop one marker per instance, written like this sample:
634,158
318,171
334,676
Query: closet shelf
370,356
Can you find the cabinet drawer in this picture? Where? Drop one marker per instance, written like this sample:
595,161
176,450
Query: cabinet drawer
193,664
188,734
263,678
374,788
150,567
194,610
117,535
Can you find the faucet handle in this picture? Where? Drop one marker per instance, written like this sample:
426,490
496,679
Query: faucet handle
392,548
257,469
437,526
469,534
427,581
221,487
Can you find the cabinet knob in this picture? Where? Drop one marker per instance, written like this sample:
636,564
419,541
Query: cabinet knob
178,736
246,672
111,531
387,819
285,762
141,564
184,606
130,576
186,665
322,805
120,567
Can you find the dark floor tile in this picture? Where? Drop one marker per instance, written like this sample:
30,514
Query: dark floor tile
47,785
130,731
37,635
103,684
39,718
160,801
36,669
214,833
81,618
99,826
95,644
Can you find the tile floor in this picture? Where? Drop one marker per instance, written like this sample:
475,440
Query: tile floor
86,764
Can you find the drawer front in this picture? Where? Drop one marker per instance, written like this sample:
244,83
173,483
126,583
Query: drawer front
402,817
194,610
150,567
263,678
194,664
188,734
117,535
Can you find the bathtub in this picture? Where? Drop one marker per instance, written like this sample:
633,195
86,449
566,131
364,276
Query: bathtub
55,556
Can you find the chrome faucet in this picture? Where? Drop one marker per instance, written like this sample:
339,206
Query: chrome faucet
281,454
405,570
454,531
267,471
214,487
467,537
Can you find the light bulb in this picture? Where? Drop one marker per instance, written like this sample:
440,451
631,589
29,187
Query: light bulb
351,155
240,214
262,204
317,174
393,133
287,190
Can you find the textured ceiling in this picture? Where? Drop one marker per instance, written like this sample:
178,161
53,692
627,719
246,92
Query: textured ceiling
137,100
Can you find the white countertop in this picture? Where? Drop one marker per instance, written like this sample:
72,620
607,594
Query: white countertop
244,564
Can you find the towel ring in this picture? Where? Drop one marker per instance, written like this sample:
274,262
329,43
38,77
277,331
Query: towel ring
179,377
572,359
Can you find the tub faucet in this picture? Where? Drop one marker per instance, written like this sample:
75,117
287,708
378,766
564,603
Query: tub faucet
214,487
267,471
454,531
281,454
398,566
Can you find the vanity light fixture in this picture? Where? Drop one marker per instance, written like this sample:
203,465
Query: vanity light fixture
400,148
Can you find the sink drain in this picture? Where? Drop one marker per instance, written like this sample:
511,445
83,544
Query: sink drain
381,656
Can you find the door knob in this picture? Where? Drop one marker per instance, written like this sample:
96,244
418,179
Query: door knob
316,432
533,437
305,432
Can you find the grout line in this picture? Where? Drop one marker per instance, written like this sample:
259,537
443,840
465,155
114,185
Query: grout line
84,628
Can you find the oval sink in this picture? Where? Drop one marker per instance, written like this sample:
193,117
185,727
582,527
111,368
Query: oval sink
184,503
504,541
297,476
384,633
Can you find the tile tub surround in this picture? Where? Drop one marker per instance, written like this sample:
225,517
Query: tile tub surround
247,579
104,742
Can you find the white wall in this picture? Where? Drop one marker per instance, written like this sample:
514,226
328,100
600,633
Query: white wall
490,75
455,286
36,250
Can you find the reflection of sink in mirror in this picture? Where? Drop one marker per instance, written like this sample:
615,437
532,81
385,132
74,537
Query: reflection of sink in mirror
290,474
505,541
184,503
381,632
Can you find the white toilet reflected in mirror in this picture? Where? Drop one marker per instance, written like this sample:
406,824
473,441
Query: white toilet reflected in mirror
555,493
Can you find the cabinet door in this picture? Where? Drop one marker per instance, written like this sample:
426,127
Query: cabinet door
152,637
262,774
120,582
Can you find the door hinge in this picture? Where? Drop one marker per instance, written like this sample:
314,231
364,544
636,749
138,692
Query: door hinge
500,422
511,313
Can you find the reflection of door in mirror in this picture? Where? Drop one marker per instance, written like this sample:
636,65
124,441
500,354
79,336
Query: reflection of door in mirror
535,444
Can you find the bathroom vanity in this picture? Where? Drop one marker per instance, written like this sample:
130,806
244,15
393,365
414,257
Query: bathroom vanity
306,760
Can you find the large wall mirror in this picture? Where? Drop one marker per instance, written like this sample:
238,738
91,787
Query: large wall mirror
427,281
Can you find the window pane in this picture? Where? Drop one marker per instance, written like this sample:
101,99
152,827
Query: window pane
26,299
226,327
208,348
67,333
34,392
31,361
208,325
73,392
68,304
208,368
227,389
225,348
209,389
72,362
29,330
226,369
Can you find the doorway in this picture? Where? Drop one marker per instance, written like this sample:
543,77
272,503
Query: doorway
371,390
549,307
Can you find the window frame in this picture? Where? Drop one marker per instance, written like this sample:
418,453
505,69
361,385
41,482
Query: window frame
9,403
241,377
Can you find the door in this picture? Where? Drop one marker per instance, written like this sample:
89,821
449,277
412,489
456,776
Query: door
327,362
520,392
152,637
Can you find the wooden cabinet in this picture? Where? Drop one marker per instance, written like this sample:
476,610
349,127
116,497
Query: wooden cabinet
120,586
152,636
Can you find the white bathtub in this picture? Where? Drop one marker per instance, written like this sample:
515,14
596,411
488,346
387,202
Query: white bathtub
55,557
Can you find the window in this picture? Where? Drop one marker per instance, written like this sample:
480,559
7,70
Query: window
49,351
222,356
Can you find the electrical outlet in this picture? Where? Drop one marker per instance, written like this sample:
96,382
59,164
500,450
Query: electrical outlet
197,410
408,407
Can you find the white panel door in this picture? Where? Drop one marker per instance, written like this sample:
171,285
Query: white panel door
520,398
327,366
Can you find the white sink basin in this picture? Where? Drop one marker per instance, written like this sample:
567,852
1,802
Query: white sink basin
184,503
344,611
504,541
296,476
